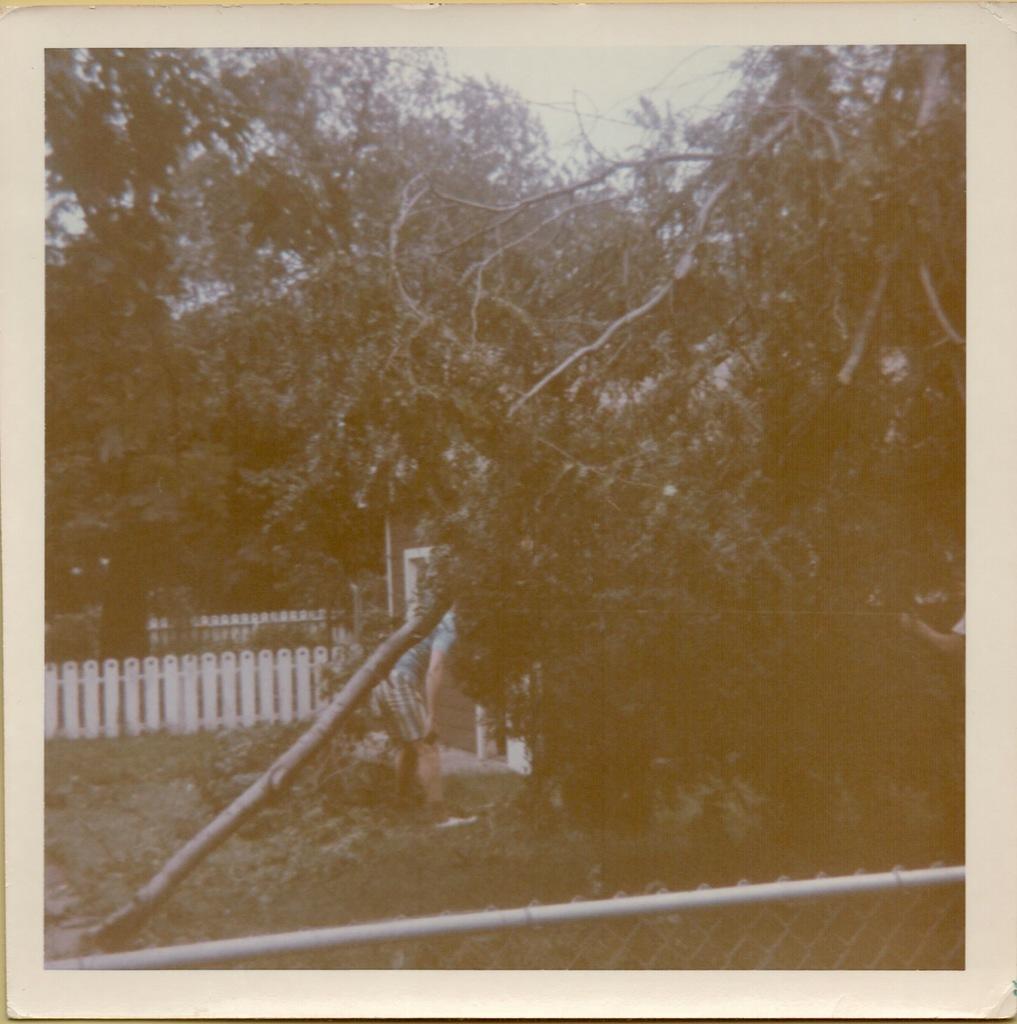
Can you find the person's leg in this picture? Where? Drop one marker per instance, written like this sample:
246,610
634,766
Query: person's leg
405,716
406,772
429,774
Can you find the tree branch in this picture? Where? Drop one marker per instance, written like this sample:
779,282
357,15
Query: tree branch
482,264
121,924
393,246
861,339
565,190
656,297
937,308
511,210
681,270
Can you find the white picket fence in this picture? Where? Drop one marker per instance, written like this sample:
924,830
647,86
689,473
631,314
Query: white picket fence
186,694
168,634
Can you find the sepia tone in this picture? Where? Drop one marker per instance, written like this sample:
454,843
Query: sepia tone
340,339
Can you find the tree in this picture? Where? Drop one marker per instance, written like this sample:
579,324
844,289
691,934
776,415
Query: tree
204,420
694,419
725,445
120,454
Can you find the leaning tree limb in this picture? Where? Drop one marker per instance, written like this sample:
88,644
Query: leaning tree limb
118,927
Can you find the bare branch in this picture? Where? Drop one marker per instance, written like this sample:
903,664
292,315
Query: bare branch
656,297
582,127
481,265
681,270
393,245
510,211
576,186
936,306
861,339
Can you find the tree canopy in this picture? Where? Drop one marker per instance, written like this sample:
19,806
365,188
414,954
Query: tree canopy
689,426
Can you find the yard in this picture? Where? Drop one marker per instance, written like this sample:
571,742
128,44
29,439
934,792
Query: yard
682,419
337,849
331,852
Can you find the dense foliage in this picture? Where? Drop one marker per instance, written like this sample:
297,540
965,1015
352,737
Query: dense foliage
690,427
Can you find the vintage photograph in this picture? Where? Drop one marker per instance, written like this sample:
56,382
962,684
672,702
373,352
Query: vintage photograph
505,508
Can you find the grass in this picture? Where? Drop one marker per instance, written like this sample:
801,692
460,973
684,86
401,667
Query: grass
333,850
337,849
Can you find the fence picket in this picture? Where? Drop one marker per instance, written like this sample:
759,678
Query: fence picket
266,695
111,698
190,687
284,683
132,697
69,685
303,673
320,657
248,713
171,692
185,694
90,694
153,713
209,692
52,702
228,692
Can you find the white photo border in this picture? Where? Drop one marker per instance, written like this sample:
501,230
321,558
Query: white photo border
984,988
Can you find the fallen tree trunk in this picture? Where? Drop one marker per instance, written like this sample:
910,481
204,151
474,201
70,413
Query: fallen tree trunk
122,923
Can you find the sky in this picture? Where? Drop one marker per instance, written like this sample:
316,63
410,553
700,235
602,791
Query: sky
602,84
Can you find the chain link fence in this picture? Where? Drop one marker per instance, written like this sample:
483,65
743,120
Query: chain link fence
900,920
908,930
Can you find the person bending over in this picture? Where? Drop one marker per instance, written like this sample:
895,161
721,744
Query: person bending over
407,700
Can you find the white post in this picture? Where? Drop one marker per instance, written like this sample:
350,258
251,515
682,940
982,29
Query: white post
189,663
153,713
132,697
266,696
52,702
69,683
248,712
517,756
481,731
111,697
284,681
171,692
303,671
209,692
389,570
90,690
320,661
228,673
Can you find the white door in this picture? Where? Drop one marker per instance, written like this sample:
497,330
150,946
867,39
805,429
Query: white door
414,564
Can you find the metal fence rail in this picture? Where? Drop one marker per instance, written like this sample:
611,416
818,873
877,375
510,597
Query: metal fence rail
898,920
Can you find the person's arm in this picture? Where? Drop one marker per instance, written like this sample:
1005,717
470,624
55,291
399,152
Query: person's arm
948,643
437,670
